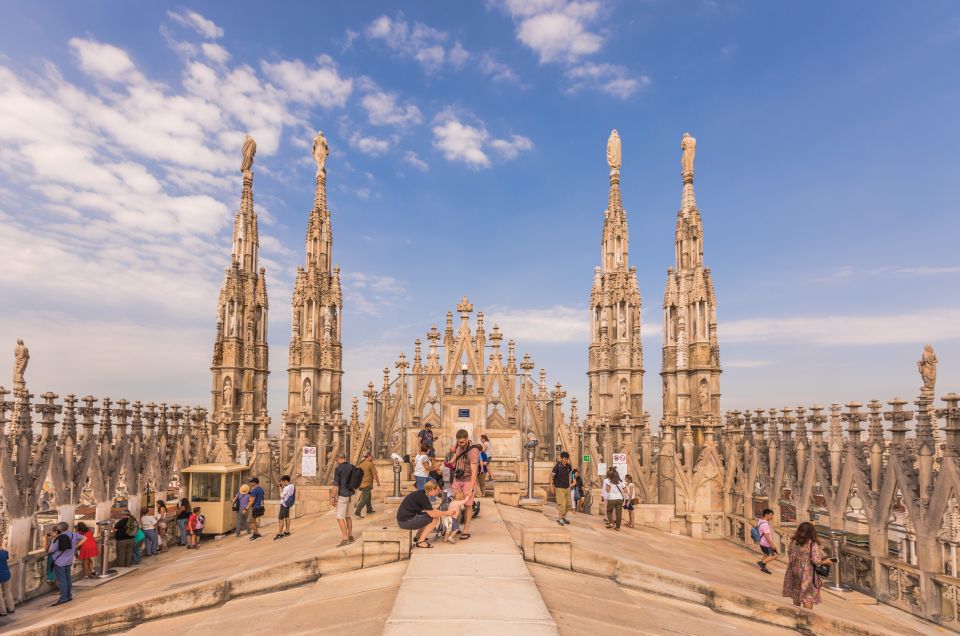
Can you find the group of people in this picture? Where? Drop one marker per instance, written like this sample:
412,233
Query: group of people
444,501
806,562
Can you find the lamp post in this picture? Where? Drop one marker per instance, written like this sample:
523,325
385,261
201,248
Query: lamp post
396,478
463,371
531,446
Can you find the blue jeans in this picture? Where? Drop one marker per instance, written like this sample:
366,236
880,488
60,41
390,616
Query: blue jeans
420,481
151,543
182,527
65,581
136,551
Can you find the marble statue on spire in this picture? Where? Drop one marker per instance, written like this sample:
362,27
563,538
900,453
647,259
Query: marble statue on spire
249,150
21,357
613,150
320,151
928,369
689,146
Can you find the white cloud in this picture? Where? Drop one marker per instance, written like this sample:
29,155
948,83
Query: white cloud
746,364
102,60
458,55
612,79
383,110
461,142
369,145
850,272
511,148
498,71
469,143
412,159
558,36
193,20
417,41
869,329
215,53
320,85
371,294
556,324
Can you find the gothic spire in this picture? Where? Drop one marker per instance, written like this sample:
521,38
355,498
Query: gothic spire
246,240
319,239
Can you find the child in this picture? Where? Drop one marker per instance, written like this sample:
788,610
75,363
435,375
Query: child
194,529
447,472
88,551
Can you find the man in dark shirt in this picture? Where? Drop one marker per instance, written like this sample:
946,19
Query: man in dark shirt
425,436
560,486
257,508
417,513
124,539
340,496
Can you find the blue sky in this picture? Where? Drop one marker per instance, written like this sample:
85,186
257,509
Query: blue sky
468,158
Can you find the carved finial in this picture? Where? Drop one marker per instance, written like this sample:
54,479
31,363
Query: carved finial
613,151
465,307
249,150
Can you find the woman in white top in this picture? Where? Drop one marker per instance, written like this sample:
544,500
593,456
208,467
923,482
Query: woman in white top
629,494
614,495
421,466
148,523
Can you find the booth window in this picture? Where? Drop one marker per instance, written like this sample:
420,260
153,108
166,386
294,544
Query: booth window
204,487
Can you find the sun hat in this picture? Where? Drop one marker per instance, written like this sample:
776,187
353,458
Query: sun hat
244,489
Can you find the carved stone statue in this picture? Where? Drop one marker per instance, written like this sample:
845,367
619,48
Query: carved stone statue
928,369
227,392
622,325
613,150
320,151
624,399
689,146
307,393
249,150
21,357
704,397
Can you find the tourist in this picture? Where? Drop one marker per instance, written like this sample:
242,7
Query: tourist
366,486
576,489
417,513
560,486
6,589
256,507
766,540
629,498
613,495
195,525
425,436
62,546
123,535
161,514
466,468
288,496
801,582
183,515
138,538
88,550
421,466
148,523
241,503
340,496
486,457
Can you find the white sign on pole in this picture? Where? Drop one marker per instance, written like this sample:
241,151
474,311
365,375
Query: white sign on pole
308,462
601,469
620,463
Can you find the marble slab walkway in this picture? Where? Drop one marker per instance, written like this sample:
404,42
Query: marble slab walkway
478,586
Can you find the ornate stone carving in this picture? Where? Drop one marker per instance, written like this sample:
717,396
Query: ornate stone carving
249,150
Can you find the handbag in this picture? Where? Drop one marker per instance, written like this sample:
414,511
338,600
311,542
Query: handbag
820,570
137,538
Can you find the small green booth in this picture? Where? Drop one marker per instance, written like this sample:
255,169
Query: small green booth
212,487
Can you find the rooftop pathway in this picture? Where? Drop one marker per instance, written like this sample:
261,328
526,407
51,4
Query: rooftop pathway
717,564
478,586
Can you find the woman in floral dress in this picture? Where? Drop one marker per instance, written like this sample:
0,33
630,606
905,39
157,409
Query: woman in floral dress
800,582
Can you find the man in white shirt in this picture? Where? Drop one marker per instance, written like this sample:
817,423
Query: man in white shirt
287,498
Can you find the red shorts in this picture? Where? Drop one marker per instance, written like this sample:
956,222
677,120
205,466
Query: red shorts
466,489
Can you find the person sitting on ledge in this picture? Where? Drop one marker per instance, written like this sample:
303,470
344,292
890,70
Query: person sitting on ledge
417,513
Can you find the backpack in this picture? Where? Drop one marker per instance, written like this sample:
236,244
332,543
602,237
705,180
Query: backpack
201,520
458,472
64,543
356,478
755,533
132,526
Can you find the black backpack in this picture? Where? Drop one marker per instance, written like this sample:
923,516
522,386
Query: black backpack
356,478
64,543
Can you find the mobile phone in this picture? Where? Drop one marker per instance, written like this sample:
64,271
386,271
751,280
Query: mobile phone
834,559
